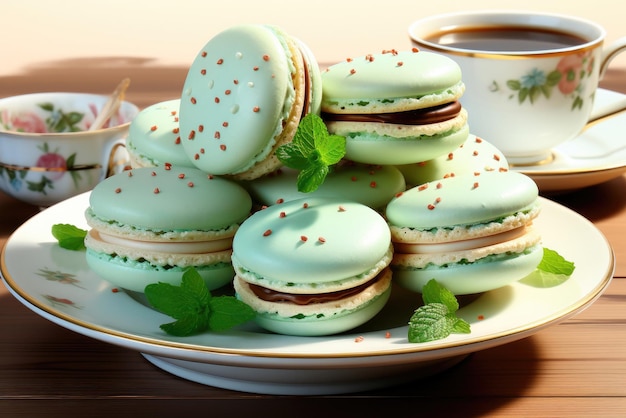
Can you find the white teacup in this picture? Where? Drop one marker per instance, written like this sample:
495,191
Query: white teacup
47,153
530,77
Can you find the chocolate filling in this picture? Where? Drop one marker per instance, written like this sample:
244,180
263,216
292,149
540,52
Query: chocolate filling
435,114
307,298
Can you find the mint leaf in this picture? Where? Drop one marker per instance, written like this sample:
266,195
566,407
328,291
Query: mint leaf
436,319
311,177
228,311
433,292
552,271
312,151
553,262
193,307
69,236
291,155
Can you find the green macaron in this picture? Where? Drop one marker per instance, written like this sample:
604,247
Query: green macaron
471,232
313,266
243,97
154,137
371,185
395,107
475,155
149,224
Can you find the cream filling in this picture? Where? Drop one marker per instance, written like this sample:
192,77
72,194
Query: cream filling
462,245
195,247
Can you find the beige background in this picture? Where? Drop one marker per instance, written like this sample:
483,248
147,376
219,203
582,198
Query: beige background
170,32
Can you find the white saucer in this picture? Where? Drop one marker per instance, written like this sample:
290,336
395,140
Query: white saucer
58,285
597,155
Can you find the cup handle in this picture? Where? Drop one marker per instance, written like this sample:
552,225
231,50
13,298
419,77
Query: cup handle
112,164
611,52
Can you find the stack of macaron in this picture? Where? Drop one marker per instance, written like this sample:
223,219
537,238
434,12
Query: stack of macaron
471,233
149,224
395,107
313,266
318,263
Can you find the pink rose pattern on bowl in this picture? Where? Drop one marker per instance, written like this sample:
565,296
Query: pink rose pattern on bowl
568,77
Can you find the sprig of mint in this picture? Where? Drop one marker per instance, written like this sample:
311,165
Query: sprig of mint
436,319
312,151
552,271
69,236
194,308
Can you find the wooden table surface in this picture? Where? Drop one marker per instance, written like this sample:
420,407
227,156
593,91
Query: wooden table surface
574,369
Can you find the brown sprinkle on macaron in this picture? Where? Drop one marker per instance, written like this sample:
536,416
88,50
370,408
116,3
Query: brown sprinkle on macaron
267,233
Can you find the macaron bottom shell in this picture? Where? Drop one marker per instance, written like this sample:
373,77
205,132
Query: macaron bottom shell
318,319
477,277
370,148
136,275
326,324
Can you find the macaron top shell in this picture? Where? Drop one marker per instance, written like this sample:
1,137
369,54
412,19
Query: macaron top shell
154,135
348,85
474,155
169,198
237,94
463,200
371,185
312,240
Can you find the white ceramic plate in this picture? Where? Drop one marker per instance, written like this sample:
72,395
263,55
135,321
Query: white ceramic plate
58,285
597,155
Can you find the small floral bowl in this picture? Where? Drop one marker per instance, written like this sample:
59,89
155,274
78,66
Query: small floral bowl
47,153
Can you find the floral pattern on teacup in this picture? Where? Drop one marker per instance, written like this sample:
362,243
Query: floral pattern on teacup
54,165
568,78
56,120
